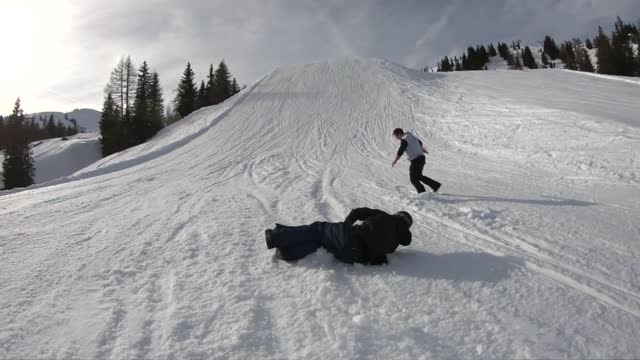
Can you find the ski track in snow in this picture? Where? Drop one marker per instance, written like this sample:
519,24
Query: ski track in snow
529,251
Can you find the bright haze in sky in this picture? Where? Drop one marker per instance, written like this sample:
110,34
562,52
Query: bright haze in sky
58,54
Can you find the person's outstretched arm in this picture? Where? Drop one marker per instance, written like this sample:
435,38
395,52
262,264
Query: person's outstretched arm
361,214
403,147
395,160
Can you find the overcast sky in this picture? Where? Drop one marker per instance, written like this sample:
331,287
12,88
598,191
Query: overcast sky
57,54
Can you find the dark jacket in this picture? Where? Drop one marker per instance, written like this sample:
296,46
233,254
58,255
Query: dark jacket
378,235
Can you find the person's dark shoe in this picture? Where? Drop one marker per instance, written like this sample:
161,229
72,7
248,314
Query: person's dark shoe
435,189
269,239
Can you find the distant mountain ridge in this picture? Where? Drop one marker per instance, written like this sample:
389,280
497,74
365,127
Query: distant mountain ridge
88,119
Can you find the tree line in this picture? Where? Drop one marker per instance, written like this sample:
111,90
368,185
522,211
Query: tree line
133,110
133,107
40,128
615,54
220,85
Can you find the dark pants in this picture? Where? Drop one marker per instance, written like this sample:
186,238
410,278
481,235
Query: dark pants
416,177
296,242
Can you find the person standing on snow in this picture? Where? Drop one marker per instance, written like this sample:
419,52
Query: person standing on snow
414,149
367,243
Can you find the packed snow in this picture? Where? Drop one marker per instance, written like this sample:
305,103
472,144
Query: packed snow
529,251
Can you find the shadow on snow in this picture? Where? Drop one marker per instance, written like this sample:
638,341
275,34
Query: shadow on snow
548,201
459,266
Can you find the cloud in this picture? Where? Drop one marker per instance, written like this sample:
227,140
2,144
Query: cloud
73,52
433,31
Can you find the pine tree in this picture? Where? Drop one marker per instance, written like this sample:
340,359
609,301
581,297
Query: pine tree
584,60
528,59
156,105
604,54
457,64
60,129
545,61
550,48
33,129
50,129
638,61
484,55
3,133
511,59
465,62
211,89
236,87
202,96
122,86
505,53
588,44
18,169
492,50
138,130
568,56
109,126
185,101
472,59
445,64
223,81
75,125
517,64
622,52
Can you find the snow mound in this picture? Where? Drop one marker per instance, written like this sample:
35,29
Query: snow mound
529,251
59,157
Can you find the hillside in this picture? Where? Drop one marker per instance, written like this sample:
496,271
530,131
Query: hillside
529,251
88,119
55,158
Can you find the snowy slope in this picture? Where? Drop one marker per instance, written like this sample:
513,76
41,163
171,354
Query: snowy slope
89,119
55,158
529,252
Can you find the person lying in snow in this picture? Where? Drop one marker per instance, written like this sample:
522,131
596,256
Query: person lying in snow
368,243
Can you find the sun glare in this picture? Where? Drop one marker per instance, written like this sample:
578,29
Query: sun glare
35,44
15,35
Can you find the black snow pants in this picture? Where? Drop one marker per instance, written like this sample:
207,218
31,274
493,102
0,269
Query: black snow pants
296,242
416,177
